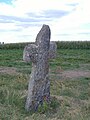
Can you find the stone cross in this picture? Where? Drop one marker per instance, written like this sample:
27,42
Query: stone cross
39,54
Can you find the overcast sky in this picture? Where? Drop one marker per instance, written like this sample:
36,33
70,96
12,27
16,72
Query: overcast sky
21,20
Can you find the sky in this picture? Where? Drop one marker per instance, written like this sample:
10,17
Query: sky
21,20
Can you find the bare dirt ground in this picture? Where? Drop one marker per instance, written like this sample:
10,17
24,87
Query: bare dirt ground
8,70
75,74
64,74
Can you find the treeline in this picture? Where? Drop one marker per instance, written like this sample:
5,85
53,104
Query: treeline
60,45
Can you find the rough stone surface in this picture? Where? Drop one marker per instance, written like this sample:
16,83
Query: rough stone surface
39,54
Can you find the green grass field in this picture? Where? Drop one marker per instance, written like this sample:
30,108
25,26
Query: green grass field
70,95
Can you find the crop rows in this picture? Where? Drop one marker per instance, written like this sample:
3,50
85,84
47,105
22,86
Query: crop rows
60,45
73,45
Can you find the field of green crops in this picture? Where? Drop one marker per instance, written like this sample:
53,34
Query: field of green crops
60,45
69,77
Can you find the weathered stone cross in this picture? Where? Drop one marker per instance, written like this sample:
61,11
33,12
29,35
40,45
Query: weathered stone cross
39,54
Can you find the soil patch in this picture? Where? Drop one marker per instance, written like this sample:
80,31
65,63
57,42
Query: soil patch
8,70
63,74
75,74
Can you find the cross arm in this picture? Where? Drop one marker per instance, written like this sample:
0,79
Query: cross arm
30,53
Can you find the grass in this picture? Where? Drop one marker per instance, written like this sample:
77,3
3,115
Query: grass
71,58
70,98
